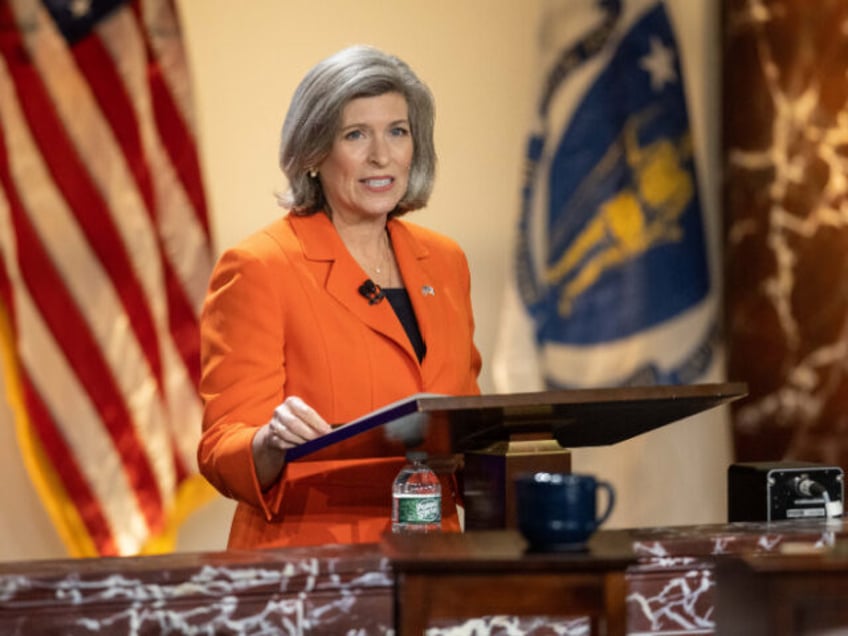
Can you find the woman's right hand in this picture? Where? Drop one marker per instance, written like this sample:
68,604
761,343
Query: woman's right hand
293,423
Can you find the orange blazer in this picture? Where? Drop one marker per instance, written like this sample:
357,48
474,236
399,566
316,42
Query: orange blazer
283,316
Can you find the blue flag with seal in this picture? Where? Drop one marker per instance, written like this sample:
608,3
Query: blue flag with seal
612,255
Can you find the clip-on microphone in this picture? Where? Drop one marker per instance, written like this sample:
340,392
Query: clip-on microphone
371,292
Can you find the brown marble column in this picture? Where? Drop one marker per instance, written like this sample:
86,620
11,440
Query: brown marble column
785,155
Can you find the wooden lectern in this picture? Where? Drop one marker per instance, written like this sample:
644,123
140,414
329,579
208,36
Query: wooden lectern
499,436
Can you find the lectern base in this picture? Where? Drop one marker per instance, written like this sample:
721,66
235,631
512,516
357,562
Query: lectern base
489,491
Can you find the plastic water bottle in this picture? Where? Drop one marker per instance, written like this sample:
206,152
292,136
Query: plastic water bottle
416,497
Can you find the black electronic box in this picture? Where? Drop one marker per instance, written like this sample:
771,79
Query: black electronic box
772,491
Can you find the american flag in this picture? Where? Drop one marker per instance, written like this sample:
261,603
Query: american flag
105,254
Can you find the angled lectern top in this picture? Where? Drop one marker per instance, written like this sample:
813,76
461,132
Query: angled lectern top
574,418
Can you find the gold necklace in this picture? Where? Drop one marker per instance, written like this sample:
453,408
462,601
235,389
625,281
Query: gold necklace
378,268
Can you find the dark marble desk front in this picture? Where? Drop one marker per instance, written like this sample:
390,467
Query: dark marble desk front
670,588
324,590
792,594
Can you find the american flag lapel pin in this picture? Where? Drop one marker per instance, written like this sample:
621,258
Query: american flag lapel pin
428,291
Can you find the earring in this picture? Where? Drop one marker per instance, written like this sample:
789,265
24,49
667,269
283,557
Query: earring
313,172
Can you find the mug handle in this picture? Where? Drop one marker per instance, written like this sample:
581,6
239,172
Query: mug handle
605,485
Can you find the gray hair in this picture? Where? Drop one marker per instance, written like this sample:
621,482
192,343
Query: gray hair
315,113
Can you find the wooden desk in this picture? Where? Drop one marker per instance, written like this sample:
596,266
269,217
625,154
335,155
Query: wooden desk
447,577
670,589
782,594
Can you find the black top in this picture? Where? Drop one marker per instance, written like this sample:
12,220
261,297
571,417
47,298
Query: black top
399,300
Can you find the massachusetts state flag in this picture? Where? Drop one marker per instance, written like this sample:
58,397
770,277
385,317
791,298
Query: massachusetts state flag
104,259
611,250
612,281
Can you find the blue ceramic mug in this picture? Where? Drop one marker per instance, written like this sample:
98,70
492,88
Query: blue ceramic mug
558,511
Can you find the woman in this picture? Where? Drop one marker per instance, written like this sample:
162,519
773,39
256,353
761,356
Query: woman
333,311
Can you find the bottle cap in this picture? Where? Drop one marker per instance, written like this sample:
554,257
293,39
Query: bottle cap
416,456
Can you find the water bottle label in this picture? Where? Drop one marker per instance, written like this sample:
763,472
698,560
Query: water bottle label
419,509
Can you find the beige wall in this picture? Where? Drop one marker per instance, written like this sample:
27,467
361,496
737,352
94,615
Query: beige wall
477,56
